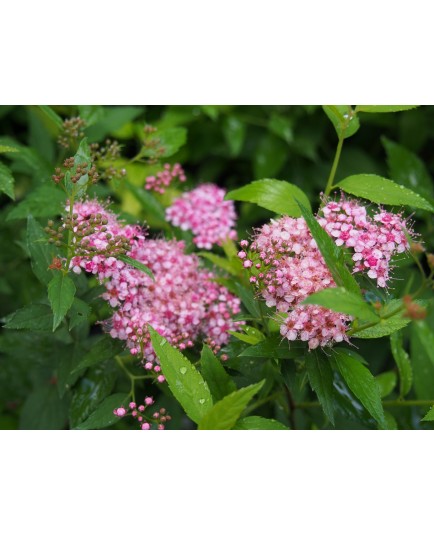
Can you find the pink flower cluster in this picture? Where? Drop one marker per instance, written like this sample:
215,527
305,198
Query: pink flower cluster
286,265
373,240
205,212
158,418
183,303
164,178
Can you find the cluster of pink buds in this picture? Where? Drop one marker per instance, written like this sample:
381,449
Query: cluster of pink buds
164,178
373,241
183,302
156,420
205,212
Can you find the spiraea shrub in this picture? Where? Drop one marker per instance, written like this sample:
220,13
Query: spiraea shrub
216,267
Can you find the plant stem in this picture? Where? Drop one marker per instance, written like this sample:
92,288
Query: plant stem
329,186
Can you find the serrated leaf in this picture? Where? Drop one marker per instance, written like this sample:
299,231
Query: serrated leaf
234,132
44,201
61,291
91,390
225,413
185,382
332,254
386,326
362,384
218,380
136,264
103,416
112,120
341,300
321,380
386,382
36,317
41,252
259,423
344,120
383,191
403,363
430,415
278,196
6,181
381,109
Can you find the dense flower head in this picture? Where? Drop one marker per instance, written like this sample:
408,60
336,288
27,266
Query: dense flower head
162,180
205,212
286,265
182,302
372,240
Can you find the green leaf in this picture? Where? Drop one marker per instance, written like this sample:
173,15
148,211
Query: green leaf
232,266
341,300
43,202
422,358
269,156
61,291
278,196
225,413
408,169
78,313
259,423
136,264
149,204
103,416
402,362
248,298
234,132
30,158
321,380
361,382
383,191
6,181
218,380
386,382
380,109
37,317
430,415
392,321
170,139
44,410
8,149
282,127
104,349
344,120
113,119
41,252
52,115
333,255
91,113
185,382
91,390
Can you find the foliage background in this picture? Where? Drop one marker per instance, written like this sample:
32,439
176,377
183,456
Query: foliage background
229,145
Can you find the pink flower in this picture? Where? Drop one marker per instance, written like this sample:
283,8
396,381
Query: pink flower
205,212
164,178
